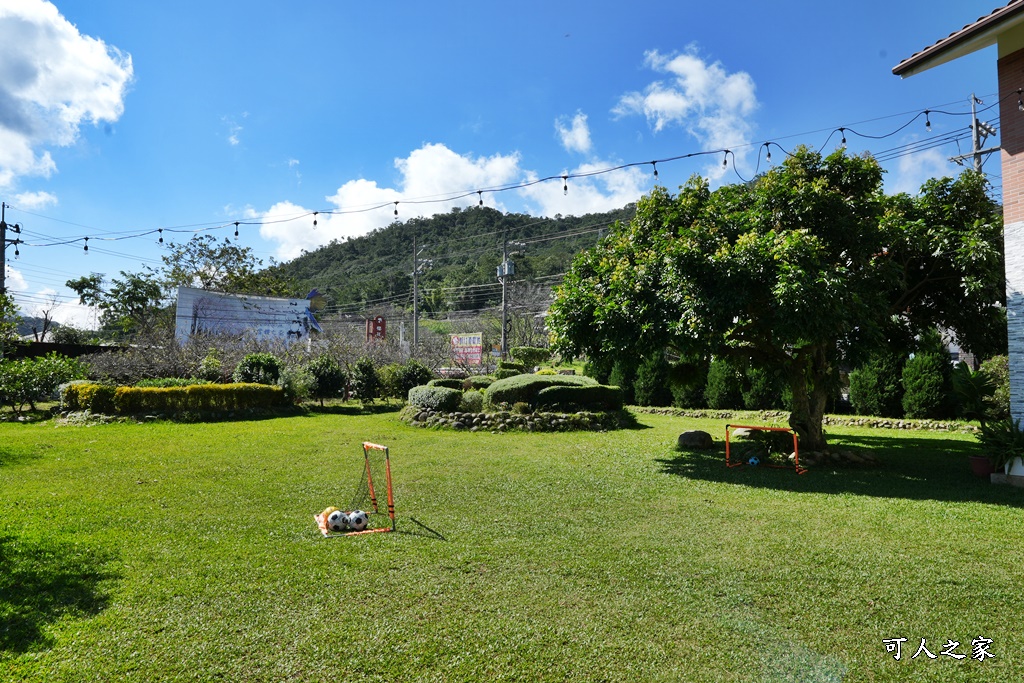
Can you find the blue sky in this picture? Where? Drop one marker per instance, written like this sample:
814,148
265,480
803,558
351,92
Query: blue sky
118,118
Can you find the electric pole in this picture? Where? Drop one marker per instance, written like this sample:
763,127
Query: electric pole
4,241
416,292
980,132
505,270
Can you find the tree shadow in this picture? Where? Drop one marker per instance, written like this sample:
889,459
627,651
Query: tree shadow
371,409
41,583
911,468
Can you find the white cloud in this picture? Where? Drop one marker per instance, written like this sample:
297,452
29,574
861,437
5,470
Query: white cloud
35,200
575,134
711,104
592,194
430,174
52,80
914,169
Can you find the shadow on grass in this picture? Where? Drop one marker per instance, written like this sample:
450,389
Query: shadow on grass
41,583
911,468
372,409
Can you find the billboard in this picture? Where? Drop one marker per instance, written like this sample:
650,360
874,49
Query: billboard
265,318
467,348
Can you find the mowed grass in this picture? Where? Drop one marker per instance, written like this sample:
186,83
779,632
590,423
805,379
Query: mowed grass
166,552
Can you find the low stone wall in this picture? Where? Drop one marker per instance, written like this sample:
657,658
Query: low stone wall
505,421
768,417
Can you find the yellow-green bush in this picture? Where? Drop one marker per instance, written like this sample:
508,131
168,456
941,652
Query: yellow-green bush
200,398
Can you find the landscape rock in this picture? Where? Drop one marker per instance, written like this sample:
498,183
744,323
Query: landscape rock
695,439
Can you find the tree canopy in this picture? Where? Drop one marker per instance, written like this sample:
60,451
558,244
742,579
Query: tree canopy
807,266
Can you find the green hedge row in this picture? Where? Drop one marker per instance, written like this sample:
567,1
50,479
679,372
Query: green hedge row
100,398
596,398
524,388
446,382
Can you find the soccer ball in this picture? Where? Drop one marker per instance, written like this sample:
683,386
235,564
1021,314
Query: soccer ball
754,461
358,520
337,521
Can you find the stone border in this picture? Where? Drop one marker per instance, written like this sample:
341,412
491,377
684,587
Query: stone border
504,421
834,420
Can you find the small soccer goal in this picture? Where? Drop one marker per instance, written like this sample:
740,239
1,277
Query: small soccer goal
759,446
366,512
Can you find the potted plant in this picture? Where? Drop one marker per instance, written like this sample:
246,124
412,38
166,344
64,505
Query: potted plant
1004,442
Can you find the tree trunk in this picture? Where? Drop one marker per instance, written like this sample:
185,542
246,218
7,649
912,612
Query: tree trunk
810,384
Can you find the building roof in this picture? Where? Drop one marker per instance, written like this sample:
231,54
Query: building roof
981,34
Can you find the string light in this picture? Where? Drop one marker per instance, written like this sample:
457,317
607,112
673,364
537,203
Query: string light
314,219
725,161
655,165
480,193
1020,102
161,231
396,209
86,247
236,228
842,131
565,185
768,148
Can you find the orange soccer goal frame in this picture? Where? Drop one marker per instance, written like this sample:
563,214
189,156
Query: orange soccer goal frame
796,447
367,448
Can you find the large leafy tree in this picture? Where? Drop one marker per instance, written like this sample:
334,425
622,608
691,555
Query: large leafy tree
131,304
206,263
809,265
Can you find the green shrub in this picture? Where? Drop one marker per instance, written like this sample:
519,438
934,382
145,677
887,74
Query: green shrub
447,382
600,368
762,390
546,371
724,388
211,368
521,408
530,356
651,385
472,402
568,398
366,381
505,373
478,382
622,375
28,380
327,378
512,365
195,398
998,369
524,388
296,383
926,386
258,368
687,380
442,399
875,387
410,374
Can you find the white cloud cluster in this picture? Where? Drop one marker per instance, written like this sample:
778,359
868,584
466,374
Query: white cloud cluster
575,134
34,201
706,100
52,80
429,175
913,170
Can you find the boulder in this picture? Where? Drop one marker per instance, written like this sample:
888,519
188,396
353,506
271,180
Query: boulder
695,439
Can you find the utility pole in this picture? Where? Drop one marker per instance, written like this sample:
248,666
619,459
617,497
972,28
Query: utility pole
980,132
416,292
505,270
4,241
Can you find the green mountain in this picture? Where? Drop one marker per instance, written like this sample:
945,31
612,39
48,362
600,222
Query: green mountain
458,256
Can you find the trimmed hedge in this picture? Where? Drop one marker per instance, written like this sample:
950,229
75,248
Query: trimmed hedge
446,382
597,398
436,398
99,398
478,382
524,388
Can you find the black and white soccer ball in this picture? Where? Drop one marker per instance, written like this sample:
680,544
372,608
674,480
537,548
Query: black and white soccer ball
337,521
357,520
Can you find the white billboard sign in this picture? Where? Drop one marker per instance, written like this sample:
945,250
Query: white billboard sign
265,318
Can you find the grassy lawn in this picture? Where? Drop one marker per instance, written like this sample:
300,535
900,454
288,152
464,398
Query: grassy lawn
161,551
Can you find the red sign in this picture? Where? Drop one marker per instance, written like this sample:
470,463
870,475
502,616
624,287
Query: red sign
376,328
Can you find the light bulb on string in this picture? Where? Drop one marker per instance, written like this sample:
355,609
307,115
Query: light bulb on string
927,121
315,213
565,185
1020,102
161,231
86,247
655,165
480,194
725,161
842,131
769,149
236,228
396,209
